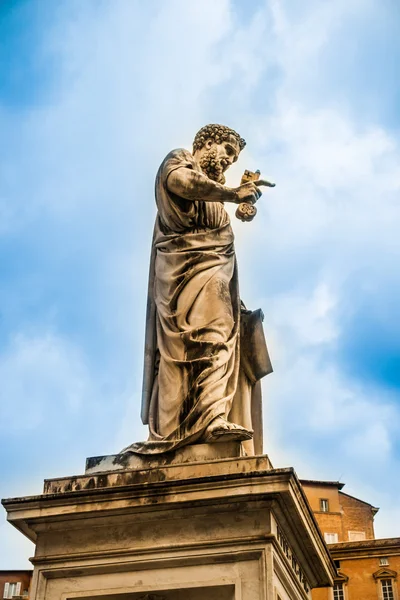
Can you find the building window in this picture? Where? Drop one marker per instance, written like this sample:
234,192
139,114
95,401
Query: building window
338,591
356,536
384,562
323,505
331,538
387,589
12,589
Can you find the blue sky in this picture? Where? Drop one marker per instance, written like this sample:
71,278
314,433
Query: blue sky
92,96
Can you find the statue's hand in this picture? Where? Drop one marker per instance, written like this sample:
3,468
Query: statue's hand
247,192
264,182
250,192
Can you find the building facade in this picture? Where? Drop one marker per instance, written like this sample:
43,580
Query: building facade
368,568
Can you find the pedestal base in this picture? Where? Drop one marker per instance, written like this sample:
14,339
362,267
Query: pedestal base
226,529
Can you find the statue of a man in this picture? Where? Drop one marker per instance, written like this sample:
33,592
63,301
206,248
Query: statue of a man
193,388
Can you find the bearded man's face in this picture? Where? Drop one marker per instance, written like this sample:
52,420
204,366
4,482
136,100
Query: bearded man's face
215,158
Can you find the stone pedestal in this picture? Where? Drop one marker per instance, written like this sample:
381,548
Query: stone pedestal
216,529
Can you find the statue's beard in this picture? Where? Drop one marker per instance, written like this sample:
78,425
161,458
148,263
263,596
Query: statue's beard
212,167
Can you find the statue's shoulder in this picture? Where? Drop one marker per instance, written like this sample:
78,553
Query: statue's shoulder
178,157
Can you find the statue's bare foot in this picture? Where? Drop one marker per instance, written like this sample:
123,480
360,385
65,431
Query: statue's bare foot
221,430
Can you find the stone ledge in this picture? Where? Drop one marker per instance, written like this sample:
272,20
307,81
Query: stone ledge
158,474
187,454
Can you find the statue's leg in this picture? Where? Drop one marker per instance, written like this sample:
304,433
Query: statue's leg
237,425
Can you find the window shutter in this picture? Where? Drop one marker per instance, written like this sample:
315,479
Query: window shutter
356,536
18,590
6,586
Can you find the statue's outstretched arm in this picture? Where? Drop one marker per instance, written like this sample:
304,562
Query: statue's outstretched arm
193,185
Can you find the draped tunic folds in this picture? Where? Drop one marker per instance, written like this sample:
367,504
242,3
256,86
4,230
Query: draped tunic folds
192,328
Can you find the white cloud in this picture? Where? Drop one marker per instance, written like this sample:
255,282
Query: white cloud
311,319
36,373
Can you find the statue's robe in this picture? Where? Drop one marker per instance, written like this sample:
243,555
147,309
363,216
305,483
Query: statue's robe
192,357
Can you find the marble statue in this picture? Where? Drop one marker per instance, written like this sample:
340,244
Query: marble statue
194,389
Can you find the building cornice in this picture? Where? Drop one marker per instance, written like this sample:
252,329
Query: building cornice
365,548
316,482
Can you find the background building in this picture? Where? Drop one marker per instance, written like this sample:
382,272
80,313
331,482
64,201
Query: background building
15,584
367,567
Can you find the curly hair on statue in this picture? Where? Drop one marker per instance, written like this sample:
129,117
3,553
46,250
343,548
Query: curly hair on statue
218,133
